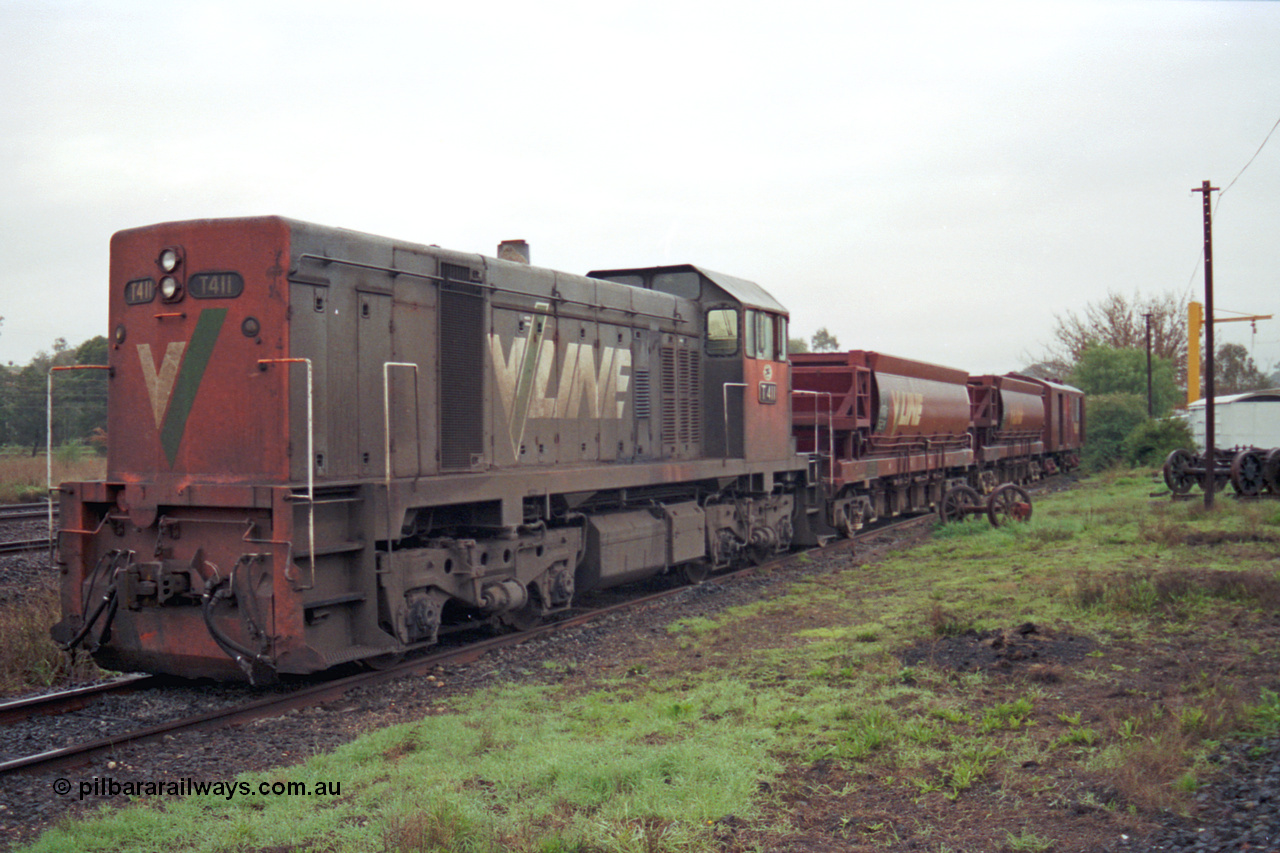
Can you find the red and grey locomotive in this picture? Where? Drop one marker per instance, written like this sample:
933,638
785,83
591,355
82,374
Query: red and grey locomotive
329,447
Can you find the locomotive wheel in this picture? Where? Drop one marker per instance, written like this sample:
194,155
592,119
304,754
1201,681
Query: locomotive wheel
1176,476
379,663
1008,503
693,573
1271,470
953,503
1247,473
526,618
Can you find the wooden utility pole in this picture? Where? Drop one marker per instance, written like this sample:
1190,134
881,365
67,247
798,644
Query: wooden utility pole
1210,457
1150,408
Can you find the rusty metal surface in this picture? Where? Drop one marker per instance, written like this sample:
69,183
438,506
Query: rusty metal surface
862,470
1006,404
186,396
904,399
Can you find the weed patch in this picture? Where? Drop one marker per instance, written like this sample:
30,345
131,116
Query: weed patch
1161,591
23,478
28,657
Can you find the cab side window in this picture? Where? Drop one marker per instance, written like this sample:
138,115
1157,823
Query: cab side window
722,331
762,335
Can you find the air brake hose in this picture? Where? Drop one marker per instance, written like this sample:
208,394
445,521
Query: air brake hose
108,600
216,589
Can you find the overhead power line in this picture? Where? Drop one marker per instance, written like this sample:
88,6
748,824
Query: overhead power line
1196,268
1247,165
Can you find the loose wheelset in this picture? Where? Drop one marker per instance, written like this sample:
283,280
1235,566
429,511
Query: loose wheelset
1009,502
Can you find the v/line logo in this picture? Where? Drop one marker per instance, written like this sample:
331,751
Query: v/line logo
586,386
907,407
172,386
160,383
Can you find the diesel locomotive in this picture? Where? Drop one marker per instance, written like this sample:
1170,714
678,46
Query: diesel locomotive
328,447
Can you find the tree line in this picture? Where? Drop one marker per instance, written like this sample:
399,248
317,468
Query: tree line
79,397
1103,351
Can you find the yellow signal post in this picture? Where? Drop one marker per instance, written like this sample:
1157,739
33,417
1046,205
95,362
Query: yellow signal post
1195,322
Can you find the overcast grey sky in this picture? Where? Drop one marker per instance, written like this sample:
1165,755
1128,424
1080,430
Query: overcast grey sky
935,180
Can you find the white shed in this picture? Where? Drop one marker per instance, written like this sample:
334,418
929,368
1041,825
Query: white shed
1251,419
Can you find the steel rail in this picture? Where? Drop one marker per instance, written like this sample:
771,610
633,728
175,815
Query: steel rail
65,701
21,546
19,512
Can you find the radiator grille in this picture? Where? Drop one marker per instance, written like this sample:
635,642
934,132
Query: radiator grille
461,375
455,272
681,397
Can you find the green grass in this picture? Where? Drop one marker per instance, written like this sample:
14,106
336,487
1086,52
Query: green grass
508,764
652,763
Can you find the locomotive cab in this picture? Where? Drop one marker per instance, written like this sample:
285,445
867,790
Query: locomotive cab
743,407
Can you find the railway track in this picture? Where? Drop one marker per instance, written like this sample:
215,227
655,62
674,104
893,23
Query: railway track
24,512
21,546
18,520
65,701
316,694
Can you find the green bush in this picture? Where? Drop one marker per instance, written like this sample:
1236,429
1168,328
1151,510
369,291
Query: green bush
1112,419
1152,442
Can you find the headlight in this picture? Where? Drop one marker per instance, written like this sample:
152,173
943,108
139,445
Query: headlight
169,260
169,288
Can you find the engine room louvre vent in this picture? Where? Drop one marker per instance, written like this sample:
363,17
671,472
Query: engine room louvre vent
681,397
461,378
643,401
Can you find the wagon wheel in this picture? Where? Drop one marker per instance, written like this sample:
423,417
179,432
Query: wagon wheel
847,518
1009,503
1246,473
1271,470
955,501
1176,474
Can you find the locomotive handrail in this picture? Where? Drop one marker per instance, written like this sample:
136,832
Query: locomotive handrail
439,279
311,462
386,431
831,438
48,441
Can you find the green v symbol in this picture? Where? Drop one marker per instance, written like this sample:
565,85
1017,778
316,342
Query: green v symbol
173,389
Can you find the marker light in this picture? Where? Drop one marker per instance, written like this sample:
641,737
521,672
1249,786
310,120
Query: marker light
169,260
169,288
